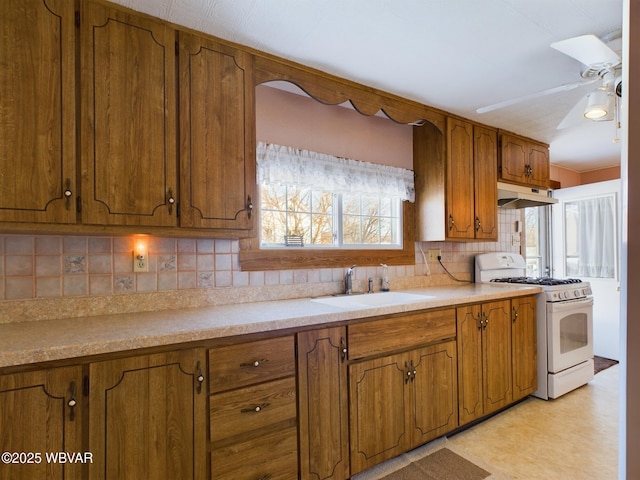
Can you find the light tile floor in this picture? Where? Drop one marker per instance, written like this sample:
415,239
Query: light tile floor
574,437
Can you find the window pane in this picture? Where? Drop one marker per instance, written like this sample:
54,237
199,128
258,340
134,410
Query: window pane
590,248
319,216
322,230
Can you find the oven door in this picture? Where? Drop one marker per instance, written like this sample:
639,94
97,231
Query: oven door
569,333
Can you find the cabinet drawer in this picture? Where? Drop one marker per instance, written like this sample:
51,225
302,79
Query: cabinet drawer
244,364
397,333
273,456
252,408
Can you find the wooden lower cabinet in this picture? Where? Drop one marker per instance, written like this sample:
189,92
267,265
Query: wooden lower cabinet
41,413
400,401
253,410
323,405
524,346
484,359
147,417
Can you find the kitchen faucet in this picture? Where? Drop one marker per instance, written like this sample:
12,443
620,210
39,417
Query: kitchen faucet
347,279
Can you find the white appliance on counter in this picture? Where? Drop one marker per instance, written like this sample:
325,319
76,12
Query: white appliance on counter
564,322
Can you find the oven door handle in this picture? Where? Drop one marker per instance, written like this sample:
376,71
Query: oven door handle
570,305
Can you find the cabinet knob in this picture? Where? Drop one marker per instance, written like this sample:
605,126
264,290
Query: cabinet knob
67,194
343,349
255,363
71,403
249,207
478,225
170,200
255,409
199,377
452,222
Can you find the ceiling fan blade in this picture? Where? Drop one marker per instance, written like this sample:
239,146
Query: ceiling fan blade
588,49
575,115
550,91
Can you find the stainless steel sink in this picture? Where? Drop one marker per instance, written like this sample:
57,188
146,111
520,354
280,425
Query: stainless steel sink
373,300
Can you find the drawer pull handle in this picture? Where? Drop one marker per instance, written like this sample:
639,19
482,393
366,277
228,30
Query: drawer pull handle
255,363
256,409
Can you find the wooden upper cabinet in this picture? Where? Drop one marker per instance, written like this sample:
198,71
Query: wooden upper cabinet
460,179
128,115
485,166
217,130
523,161
37,111
456,192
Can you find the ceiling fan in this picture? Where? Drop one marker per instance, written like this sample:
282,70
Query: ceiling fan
602,65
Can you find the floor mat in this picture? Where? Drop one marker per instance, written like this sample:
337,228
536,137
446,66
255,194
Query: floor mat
601,363
443,464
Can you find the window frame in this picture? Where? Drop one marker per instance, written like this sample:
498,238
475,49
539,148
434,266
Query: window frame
253,258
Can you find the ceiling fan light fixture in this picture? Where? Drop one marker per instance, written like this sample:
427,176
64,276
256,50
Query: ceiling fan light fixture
598,105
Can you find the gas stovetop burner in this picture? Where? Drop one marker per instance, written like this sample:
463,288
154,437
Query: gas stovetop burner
546,281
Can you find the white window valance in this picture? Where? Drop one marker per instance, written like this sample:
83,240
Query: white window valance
279,165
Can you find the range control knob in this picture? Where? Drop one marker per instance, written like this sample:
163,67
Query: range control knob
576,293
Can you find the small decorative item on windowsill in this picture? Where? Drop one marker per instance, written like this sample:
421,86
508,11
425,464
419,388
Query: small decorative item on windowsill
293,241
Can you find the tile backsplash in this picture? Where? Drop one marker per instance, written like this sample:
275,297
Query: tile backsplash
57,266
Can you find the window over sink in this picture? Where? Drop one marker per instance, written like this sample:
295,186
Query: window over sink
314,200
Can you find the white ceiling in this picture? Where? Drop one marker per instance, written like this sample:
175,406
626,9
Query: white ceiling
457,55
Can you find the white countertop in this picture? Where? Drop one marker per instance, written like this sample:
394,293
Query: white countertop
50,340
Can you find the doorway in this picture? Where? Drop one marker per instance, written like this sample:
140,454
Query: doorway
585,244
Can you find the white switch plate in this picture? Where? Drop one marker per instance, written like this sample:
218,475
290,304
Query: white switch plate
433,254
515,239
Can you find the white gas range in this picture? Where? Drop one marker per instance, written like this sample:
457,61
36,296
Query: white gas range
564,322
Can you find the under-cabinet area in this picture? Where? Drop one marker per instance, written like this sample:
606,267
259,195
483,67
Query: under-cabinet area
326,398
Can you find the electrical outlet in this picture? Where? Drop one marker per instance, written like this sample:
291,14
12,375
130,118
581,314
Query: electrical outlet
433,254
515,239
140,262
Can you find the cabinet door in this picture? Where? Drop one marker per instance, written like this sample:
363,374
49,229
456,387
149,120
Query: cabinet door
485,147
434,399
217,153
37,111
514,158
323,406
37,414
496,346
378,410
524,350
148,417
469,345
460,196
128,155
539,162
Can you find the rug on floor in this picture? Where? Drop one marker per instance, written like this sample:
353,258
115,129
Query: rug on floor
443,464
601,363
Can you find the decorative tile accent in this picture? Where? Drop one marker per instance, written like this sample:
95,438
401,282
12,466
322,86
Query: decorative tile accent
123,283
167,263
75,264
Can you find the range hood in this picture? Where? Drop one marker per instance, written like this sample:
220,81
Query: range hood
518,196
